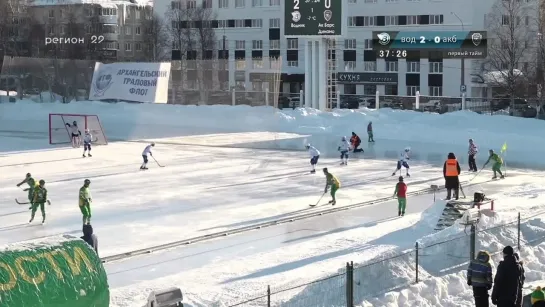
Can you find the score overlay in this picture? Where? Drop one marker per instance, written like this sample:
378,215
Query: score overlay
313,18
452,44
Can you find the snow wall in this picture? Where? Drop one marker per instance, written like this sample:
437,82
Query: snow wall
431,136
52,272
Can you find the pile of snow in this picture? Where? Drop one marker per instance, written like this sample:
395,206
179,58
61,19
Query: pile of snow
390,278
394,129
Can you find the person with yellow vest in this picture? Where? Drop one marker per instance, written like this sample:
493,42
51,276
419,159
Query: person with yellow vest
451,171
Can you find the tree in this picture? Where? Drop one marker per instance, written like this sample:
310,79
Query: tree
155,38
193,36
509,46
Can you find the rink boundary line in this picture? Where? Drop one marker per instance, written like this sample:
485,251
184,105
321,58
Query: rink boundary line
258,226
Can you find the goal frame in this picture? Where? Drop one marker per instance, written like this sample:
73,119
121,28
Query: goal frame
50,126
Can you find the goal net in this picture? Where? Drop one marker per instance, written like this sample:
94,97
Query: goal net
61,133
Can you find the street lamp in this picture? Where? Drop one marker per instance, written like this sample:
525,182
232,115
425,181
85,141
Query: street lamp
462,60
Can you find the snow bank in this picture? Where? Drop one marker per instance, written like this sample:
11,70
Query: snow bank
431,136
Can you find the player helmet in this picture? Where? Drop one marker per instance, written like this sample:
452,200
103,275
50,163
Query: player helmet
86,130
28,175
42,182
307,146
152,144
75,123
407,149
87,182
400,178
344,138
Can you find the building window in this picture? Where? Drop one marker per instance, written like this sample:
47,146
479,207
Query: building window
352,1
138,14
370,66
369,21
128,30
411,90
257,63
293,63
128,47
240,3
222,24
413,66
257,23
137,30
436,91
350,44
370,1
223,4
207,4
368,44
191,4
274,23
436,67
504,20
390,89
240,45
370,90
391,1
392,66
240,64
274,2
51,14
257,3
436,19
274,44
89,12
190,84
352,21
275,63
350,89
390,21
349,65
293,44
63,29
239,23
257,45
412,20
138,47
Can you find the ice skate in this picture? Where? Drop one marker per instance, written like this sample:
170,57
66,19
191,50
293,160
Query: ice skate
502,177
402,213
313,171
84,155
408,175
333,202
90,155
398,213
495,177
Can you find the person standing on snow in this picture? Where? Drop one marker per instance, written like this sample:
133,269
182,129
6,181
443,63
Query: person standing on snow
479,277
507,280
370,133
314,156
334,183
90,237
451,171
401,193
498,162
472,151
145,153
403,157
355,141
522,279
344,148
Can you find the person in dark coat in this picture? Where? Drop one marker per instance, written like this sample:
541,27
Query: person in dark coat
507,281
90,237
522,278
355,141
479,277
451,171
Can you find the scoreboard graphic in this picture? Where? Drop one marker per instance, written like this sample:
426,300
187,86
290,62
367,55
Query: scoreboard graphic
451,44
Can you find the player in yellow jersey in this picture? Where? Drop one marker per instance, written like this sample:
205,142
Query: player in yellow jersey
334,183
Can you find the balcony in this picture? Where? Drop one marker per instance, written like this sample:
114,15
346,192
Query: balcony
110,36
108,19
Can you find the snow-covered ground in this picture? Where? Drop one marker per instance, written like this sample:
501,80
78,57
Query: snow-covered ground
228,167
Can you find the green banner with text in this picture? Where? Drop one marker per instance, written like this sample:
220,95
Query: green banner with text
54,272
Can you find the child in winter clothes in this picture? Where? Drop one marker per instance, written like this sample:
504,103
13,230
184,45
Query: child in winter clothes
401,193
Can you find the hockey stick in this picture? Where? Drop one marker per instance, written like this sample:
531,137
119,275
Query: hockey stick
21,203
157,162
318,200
462,190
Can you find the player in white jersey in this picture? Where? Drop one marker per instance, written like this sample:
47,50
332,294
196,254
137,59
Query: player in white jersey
314,156
403,157
145,153
75,134
344,148
87,139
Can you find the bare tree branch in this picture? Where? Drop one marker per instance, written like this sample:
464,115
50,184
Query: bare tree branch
155,38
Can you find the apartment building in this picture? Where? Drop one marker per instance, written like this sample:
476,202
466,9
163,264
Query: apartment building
111,30
254,27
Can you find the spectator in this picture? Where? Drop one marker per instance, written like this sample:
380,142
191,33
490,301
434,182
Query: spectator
538,298
522,278
479,277
507,281
90,237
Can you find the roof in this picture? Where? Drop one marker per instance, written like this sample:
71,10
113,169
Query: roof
105,3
